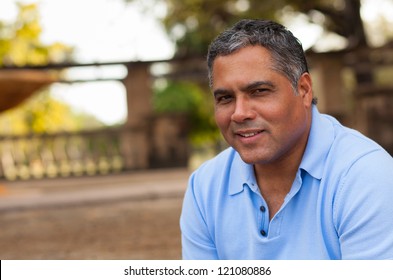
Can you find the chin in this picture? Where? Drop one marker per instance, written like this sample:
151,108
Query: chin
250,159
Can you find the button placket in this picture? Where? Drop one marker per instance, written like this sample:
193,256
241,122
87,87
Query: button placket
263,211
263,231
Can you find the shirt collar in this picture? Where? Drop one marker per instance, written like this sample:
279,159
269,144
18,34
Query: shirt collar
318,145
240,173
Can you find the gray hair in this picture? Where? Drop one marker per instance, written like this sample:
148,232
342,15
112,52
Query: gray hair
287,52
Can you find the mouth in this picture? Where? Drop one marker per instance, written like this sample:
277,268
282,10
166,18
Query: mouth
249,134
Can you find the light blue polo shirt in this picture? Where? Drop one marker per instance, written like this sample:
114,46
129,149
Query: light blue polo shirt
340,205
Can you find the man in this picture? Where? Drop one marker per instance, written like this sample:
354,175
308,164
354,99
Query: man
295,184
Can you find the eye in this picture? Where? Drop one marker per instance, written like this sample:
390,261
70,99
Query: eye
223,99
260,91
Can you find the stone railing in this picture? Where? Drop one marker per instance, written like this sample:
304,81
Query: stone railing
61,154
159,143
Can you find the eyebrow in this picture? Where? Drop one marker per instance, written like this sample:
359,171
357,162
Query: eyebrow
257,84
221,91
247,88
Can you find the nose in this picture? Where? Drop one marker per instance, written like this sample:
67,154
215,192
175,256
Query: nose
243,110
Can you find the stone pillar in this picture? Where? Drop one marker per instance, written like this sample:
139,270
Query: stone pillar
169,146
326,71
135,139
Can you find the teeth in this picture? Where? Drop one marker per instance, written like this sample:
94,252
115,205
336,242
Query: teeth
249,134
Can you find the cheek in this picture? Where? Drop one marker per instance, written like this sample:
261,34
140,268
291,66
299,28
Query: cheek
222,119
291,122
273,113
284,110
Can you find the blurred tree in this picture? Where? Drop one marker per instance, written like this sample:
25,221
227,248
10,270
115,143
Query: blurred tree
189,99
44,114
20,42
192,24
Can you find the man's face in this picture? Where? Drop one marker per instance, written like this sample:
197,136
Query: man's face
256,108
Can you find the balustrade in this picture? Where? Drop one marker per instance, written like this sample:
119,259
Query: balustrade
61,154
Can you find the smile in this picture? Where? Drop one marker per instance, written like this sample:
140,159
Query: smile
249,134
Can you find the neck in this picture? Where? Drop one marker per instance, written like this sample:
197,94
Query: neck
285,167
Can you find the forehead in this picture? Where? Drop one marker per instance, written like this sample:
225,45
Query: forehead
252,62
248,53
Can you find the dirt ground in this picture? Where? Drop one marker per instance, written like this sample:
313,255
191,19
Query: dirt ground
145,227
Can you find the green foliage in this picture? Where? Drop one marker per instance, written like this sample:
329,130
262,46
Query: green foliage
20,41
40,114
190,99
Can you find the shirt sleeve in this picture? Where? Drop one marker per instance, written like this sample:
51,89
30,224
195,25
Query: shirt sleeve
363,209
196,241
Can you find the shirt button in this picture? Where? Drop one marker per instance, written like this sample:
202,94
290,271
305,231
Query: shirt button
262,208
263,232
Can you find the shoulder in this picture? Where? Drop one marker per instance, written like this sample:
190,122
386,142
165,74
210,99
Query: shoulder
362,206
214,170
361,164
217,161
358,177
206,187
364,170
351,151
356,169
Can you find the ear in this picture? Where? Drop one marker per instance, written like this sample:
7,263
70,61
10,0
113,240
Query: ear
304,88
